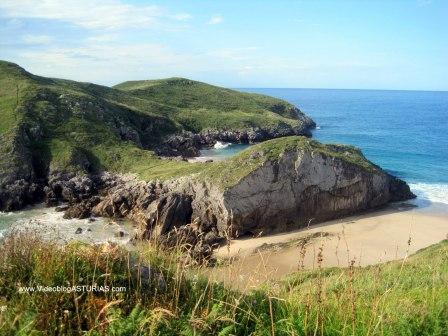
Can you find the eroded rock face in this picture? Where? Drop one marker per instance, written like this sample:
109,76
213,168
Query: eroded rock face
19,183
305,187
301,186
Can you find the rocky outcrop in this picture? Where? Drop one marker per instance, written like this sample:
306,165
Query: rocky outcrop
302,184
53,125
19,183
188,144
304,187
276,185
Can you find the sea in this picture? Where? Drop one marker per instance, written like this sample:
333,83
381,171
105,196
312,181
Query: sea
405,132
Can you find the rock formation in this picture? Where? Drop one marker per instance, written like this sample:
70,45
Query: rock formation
291,182
60,140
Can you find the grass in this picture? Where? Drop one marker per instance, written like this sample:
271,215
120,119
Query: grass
201,106
231,171
124,157
69,149
54,124
14,87
407,297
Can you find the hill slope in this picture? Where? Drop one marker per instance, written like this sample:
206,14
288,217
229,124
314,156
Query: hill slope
60,138
203,106
49,125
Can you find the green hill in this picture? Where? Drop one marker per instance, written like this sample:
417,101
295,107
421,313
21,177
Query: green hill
53,124
202,106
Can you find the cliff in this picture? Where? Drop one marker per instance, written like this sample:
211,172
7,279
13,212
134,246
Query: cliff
51,126
277,185
287,183
96,148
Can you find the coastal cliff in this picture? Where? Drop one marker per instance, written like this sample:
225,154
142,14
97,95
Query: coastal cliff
294,181
278,185
52,126
210,113
99,150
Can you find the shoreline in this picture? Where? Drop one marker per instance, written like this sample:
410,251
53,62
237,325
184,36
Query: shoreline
390,233
379,236
51,226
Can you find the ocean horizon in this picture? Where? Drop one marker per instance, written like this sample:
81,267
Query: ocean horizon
403,131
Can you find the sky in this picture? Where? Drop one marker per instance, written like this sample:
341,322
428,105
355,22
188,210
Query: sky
305,44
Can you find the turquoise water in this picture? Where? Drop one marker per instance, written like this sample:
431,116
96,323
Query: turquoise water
222,153
405,132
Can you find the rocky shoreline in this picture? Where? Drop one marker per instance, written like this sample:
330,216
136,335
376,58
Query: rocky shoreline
301,186
188,144
65,138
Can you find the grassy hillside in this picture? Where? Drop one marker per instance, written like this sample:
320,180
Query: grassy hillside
52,124
161,295
60,124
16,88
203,106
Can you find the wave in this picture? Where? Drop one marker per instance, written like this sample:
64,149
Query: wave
221,145
6,213
431,191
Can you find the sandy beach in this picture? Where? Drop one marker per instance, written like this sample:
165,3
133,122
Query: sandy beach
370,238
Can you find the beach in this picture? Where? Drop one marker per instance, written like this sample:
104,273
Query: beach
370,238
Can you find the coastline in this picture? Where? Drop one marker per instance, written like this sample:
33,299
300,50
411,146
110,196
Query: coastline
370,238
51,226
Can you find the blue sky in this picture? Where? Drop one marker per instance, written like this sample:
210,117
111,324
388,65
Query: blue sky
316,44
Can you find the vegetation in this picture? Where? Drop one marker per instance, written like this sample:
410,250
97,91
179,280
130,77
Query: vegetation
163,296
201,106
52,124
229,172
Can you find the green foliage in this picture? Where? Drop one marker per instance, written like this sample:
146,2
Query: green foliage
200,106
53,124
132,324
230,172
407,297
71,126
14,85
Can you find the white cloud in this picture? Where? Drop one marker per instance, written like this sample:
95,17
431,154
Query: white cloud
105,63
215,19
37,39
102,38
101,14
181,16
103,54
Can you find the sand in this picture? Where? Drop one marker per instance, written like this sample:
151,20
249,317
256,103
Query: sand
375,237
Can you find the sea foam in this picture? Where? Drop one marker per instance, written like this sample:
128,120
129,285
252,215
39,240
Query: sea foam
221,145
431,191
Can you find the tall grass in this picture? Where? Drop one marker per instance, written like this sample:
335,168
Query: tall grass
166,296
